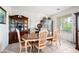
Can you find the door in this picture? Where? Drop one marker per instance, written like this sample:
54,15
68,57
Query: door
77,30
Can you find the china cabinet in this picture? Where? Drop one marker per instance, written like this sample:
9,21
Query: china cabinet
21,23
47,22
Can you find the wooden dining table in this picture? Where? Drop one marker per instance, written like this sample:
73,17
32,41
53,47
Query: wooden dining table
31,37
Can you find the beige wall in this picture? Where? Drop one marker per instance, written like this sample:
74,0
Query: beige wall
4,30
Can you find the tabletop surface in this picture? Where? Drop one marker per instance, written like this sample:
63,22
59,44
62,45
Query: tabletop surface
30,36
33,36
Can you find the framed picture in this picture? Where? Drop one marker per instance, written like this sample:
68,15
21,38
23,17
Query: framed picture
2,16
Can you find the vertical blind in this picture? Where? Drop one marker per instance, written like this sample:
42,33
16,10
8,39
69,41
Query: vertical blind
65,23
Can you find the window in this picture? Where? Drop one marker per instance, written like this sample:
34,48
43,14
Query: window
65,23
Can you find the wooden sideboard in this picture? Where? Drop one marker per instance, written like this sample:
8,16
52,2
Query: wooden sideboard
13,38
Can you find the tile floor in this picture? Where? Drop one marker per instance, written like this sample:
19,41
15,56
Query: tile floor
65,47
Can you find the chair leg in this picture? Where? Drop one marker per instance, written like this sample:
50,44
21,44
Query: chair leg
51,42
44,50
26,46
26,49
38,50
30,49
60,42
20,49
33,48
56,44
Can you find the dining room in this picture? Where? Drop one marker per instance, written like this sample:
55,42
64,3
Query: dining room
40,29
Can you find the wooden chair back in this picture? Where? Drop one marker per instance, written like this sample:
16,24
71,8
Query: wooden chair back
18,34
42,39
56,34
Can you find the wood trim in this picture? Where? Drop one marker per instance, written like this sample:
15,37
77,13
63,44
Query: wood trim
3,9
77,43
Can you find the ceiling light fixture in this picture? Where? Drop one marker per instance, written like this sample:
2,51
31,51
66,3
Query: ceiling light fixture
58,8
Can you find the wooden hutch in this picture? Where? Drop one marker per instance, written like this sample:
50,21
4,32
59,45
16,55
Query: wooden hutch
20,22
47,22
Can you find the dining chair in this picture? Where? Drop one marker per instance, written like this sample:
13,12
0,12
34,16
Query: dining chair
55,38
42,41
22,43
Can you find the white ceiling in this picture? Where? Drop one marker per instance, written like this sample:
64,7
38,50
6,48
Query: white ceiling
46,10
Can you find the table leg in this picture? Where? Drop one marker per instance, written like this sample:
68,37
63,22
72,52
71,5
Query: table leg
26,46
